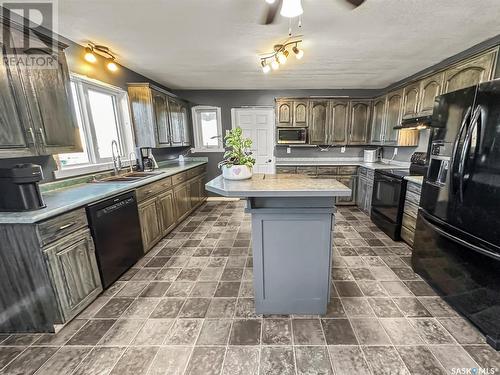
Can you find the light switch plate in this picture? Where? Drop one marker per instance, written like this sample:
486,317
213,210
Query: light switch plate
342,149
288,150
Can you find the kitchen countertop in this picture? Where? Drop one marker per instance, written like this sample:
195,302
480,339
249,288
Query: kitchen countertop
415,179
64,200
284,162
285,185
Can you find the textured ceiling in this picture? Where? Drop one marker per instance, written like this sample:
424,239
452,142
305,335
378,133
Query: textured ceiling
214,44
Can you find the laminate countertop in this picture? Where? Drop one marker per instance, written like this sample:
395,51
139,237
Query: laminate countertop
64,200
415,179
282,185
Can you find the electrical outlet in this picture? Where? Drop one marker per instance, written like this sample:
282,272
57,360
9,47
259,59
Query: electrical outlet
342,149
288,150
395,151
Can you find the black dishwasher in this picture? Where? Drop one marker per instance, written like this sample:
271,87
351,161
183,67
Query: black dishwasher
116,230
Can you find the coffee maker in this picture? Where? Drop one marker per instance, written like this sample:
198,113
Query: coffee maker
19,187
148,161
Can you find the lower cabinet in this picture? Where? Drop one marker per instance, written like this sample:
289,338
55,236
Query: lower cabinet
150,223
182,200
350,182
73,271
365,190
166,211
410,212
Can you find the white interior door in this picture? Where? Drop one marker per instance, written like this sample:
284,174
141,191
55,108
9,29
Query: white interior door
258,125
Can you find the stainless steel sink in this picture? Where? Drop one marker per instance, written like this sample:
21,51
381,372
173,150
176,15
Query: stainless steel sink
129,177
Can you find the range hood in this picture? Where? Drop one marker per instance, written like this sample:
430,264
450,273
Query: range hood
419,122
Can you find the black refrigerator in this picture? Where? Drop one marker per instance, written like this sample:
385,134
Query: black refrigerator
457,237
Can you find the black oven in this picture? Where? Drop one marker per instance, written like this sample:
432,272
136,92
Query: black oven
389,189
292,136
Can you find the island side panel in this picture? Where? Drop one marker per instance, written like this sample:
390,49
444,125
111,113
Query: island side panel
292,261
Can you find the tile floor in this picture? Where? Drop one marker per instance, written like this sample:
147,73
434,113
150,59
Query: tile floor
187,308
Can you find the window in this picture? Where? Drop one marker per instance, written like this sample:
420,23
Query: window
102,117
207,128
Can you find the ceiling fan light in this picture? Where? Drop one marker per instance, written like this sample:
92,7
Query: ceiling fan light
275,64
89,55
291,8
298,52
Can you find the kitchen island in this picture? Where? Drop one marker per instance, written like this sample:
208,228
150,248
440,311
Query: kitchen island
293,217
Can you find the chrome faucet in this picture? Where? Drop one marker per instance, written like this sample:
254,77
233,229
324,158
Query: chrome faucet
130,160
117,161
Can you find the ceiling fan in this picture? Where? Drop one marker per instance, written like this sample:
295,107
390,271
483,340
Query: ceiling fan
292,8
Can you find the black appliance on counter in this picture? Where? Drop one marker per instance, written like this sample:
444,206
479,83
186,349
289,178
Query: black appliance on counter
457,238
116,230
19,188
389,191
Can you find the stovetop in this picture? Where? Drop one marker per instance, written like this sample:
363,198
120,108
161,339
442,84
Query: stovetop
398,173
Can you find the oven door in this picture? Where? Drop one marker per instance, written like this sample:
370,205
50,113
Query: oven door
386,198
292,135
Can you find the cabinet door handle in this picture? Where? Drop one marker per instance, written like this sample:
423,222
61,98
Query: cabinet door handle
42,134
66,226
32,133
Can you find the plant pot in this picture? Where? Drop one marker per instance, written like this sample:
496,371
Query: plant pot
237,172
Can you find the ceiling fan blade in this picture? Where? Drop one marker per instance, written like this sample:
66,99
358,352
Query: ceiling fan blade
355,3
271,12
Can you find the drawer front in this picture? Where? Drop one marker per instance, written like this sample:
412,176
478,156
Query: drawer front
328,171
411,209
179,178
60,226
286,170
310,171
407,235
414,188
196,171
412,197
409,222
153,189
348,170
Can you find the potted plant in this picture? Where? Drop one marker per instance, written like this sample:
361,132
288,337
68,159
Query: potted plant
238,161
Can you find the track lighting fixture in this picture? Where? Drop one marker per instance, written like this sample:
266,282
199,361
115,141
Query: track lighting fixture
280,54
291,8
93,49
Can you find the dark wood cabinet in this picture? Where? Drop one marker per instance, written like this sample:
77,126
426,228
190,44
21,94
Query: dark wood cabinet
393,116
351,183
284,113
411,94
470,72
182,199
319,124
339,119
430,87
166,211
300,113
74,273
160,120
359,130
378,120
292,112
151,226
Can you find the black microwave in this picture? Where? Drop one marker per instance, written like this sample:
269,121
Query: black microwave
292,135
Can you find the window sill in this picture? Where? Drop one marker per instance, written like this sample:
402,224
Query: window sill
200,150
85,169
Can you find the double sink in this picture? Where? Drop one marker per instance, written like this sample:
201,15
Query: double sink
129,177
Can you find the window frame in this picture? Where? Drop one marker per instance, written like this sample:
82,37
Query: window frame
198,133
124,127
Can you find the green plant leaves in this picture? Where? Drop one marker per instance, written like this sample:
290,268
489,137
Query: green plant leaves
238,150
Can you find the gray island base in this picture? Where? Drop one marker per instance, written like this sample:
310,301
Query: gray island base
293,218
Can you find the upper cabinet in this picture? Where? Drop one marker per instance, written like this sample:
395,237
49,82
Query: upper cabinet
292,113
470,72
37,114
359,131
393,116
159,119
378,119
411,95
319,126
430,87
339,122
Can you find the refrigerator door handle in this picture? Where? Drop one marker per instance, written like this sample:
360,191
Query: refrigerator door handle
458,240
476,118
463,127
